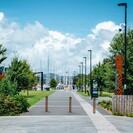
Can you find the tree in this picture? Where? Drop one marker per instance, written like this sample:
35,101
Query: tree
20,72
2,58
117,45
2,53
105,72
53,83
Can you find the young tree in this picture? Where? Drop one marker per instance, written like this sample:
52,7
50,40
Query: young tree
20,72
53,83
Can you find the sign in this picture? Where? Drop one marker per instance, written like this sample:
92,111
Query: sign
119,88
94,89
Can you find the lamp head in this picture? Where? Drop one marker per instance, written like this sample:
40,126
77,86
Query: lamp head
122,4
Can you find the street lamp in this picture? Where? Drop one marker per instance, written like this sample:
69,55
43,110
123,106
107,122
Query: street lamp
125,43
66,77
90,71
85,74
82,75
79,76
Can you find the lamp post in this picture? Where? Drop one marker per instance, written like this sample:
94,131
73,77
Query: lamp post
79,76
66,77
85,74
82,75
125,43
90,71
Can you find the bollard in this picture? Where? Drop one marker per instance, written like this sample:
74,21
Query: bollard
70,104
94,105
46,104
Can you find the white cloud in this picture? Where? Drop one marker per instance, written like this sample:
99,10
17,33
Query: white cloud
109,26
34,41
1,16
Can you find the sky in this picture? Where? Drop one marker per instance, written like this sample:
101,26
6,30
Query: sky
64,30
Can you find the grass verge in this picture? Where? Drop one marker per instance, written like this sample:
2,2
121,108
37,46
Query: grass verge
105,94
83,93
35,96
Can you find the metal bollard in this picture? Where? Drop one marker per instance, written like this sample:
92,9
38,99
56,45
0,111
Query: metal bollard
70,104
46,104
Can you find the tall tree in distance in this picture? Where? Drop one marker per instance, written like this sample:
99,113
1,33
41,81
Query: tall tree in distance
2,53
53,83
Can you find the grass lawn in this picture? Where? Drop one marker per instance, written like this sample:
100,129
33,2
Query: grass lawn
35,96
82,93
104,94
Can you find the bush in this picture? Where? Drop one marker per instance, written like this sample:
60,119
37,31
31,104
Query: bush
106,104
10,105
117,114
7,87
22,102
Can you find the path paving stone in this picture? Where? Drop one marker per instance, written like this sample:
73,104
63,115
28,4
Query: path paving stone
58,104
59,120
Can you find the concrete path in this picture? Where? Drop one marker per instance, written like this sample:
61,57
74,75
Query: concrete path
59,120
58,104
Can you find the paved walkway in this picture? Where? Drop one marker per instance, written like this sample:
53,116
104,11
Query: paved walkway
58,104
59,120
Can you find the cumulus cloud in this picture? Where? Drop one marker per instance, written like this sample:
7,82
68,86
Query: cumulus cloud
34,42
1,16
105,26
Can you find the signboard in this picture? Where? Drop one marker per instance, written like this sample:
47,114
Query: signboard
119,88
94,89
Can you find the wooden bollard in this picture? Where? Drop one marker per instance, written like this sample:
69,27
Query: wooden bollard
94,105
70,104
46,104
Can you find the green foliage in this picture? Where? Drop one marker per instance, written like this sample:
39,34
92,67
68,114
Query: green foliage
83,93
117,46
10,105
20,72
105,94
107,104
53,83
2,53
117,114
105,72
129,115
22,102
7,87
77,80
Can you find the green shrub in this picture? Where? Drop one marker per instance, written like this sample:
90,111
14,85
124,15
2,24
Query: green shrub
22,102
129,115
10,105
106,104
117,114
7,87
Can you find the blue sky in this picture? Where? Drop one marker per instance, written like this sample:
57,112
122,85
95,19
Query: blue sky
67,16
65,29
